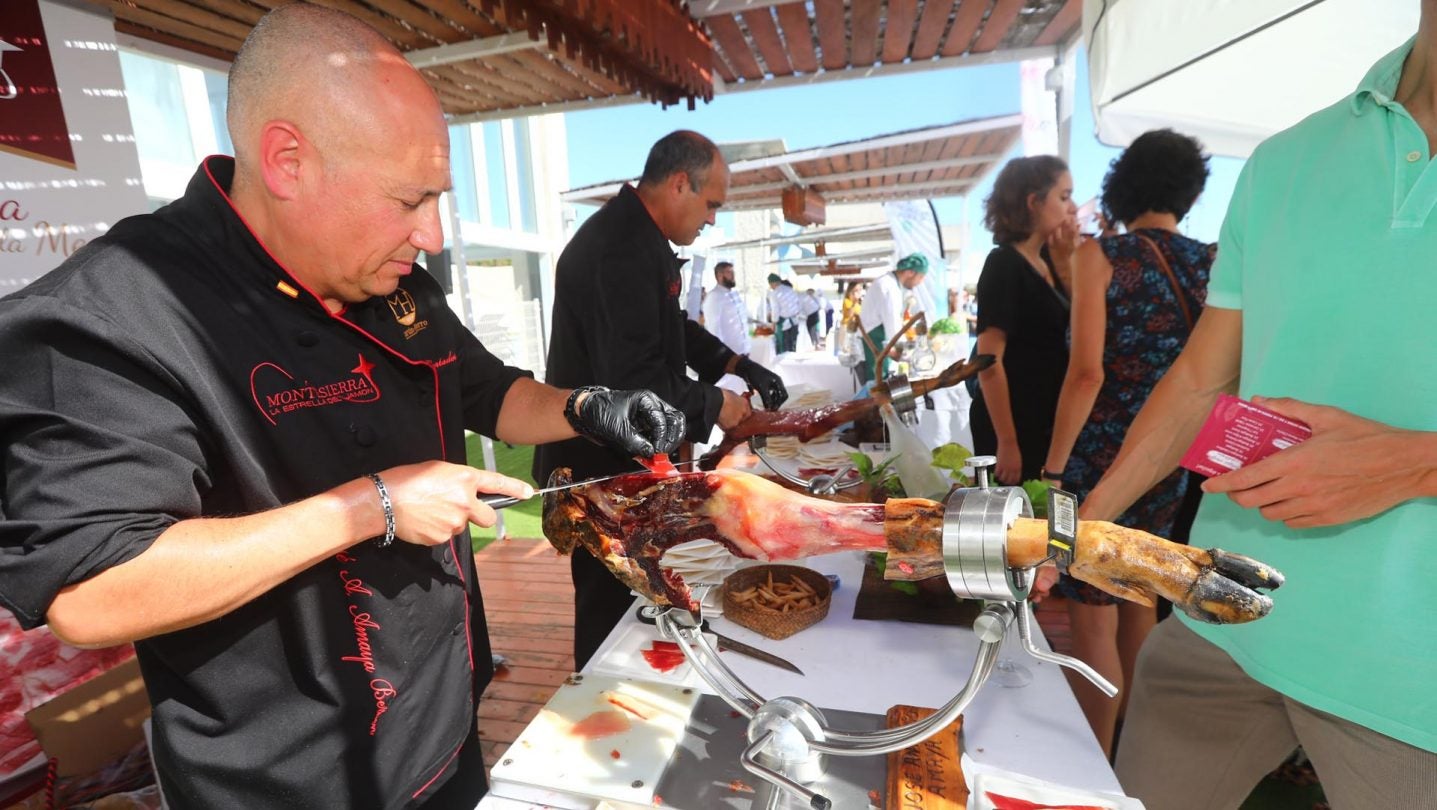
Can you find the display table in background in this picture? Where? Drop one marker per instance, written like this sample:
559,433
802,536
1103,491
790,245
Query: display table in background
816,369
946,421
761,350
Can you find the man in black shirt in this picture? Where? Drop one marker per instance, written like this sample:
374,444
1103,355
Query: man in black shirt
617,322
216,419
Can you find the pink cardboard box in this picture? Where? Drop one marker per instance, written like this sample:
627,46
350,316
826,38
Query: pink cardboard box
1238,433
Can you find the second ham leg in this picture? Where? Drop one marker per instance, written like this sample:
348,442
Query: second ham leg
1211,585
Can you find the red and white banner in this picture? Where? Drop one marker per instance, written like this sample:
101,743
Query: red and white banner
68,165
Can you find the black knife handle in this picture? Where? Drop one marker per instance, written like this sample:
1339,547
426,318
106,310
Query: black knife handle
499,501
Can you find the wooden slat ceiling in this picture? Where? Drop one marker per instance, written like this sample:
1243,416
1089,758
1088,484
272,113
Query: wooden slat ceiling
525,52
484,57
941,161
860,34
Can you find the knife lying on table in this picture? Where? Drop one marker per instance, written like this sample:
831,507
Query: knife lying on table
494,501
648,614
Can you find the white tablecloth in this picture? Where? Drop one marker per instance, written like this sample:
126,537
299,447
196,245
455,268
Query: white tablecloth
868,666
761,350
817,369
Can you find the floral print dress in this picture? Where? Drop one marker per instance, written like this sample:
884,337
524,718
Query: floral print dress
1145,333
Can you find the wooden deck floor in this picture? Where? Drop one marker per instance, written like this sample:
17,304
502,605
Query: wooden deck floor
529,603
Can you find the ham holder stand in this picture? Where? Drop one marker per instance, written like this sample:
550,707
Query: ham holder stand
791,743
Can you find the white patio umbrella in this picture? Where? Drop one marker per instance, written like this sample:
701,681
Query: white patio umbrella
1230,72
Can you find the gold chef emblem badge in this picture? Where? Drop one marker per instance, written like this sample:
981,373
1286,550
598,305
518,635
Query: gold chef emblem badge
401,303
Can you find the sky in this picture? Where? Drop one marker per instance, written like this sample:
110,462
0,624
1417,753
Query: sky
611,143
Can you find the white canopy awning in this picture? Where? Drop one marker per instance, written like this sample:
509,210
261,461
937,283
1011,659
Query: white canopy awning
1230,72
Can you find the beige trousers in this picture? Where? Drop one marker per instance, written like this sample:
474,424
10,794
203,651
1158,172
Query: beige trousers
1200,734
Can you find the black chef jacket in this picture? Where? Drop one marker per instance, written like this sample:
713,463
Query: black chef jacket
617,322
173,369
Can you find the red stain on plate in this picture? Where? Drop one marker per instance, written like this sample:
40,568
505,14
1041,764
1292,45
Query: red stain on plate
605,723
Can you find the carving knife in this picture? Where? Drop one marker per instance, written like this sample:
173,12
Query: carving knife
727,644
494,501
648,614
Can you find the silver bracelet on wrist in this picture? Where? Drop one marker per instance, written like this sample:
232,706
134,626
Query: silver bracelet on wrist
388,507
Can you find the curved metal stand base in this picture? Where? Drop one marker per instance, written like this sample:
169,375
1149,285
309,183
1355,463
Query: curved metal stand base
788,737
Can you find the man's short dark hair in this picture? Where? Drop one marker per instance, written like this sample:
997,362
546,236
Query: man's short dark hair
684,151
719,268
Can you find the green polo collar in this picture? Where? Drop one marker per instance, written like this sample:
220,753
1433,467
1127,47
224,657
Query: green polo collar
1380,83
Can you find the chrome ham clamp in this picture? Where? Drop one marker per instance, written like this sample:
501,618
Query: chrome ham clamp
900,395
788,738
820,484
975,553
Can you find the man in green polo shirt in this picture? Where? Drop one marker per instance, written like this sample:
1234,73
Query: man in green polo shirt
1322,297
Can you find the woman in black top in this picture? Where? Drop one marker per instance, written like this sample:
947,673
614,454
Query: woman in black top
1023,314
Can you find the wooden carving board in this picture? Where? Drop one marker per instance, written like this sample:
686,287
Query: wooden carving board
926,776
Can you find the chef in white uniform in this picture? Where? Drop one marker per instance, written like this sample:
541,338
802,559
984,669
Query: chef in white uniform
725,314
882,313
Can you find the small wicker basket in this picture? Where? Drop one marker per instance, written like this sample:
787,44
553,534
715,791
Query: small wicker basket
767,621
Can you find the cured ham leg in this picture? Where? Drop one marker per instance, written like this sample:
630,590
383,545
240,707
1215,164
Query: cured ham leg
1214,586
809,424
630,521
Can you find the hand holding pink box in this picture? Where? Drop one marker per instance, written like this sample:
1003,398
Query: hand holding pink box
1238,433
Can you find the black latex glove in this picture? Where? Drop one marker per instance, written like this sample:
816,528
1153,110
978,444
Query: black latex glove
635,422
769,386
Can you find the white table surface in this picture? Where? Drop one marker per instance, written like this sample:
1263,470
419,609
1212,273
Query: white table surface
762,350
868,666
818,369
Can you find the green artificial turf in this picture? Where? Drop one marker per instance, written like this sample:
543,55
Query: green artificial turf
520,520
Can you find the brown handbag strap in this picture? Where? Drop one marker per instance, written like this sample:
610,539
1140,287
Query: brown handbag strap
1172,278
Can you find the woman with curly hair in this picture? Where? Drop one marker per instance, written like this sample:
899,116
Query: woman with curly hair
1023,314
1136,297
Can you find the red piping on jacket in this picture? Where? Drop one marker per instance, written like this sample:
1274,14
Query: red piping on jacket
438,417
442,769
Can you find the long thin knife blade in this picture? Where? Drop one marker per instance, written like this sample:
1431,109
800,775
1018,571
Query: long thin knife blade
726,643
503,501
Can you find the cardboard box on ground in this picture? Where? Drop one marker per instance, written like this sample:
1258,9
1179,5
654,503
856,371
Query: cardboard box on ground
95,723
95,734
